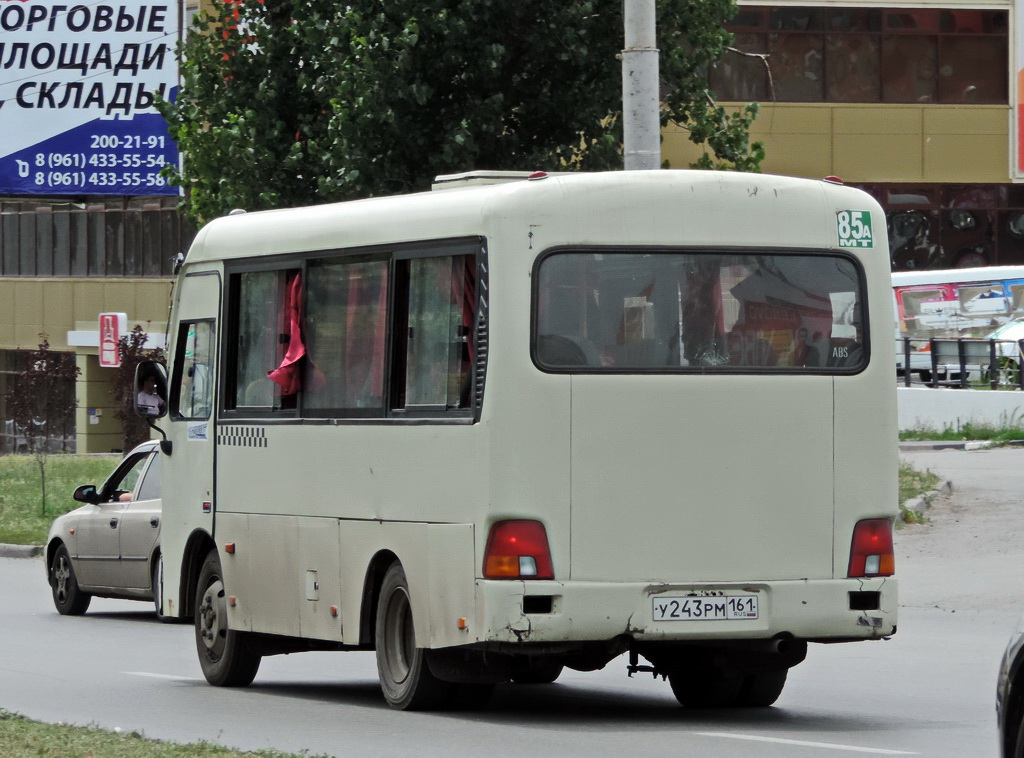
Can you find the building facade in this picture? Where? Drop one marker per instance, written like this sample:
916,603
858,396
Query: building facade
912,102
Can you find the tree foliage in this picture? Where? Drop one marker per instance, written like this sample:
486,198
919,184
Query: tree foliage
41,403
291,102
133,350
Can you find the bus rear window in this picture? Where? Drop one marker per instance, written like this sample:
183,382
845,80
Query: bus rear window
625,311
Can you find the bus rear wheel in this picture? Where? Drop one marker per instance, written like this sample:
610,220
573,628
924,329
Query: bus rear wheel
762,689
405,676
705,689
224,654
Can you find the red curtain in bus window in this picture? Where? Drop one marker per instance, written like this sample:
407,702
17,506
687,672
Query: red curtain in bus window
288,374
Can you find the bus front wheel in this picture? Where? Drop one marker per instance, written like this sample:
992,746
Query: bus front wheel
405,676
224,653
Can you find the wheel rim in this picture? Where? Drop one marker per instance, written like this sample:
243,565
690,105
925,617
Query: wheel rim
212,620
399,637
61,575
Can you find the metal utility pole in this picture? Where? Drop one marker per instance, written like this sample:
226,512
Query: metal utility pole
641,124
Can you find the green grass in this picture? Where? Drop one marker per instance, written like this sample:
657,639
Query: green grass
23,738
997,434
22,521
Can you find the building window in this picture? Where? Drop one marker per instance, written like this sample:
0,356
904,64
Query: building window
866,55
952,225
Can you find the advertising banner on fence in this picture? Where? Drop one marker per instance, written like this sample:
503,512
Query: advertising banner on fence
76,96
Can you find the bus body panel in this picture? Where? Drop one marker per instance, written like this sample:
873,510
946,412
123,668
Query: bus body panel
811,610
652,500
188,495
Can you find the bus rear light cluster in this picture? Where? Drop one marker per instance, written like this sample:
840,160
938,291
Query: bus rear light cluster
872,552
518,550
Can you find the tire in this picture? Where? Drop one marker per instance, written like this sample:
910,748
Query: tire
224,654
68,597
706,689
405,677
539,672
762,689
1017,749
157,586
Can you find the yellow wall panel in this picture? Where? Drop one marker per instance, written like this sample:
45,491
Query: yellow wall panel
58,306
967,158
904,121
806,155
872,143
7,301
790,119
870,158
992,119
88,300
28,302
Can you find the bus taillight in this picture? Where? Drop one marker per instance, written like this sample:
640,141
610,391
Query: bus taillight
518,550
872,551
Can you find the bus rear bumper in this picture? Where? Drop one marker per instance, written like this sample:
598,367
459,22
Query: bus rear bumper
813,610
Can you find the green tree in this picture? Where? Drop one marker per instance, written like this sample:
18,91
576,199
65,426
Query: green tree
41,403
292,102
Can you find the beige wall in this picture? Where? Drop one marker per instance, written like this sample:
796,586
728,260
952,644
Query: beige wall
53,306
874,143
97,429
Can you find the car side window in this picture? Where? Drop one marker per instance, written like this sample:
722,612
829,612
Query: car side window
150,487
121,486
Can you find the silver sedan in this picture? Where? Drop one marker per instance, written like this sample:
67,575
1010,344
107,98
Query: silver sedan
110,546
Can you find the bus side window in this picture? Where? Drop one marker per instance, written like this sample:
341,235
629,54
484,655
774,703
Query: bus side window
192,397
437,344
262,332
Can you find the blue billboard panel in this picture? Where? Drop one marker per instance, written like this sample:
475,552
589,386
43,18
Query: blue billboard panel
76,97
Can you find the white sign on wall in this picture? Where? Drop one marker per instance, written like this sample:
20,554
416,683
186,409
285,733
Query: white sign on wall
112,327
76,96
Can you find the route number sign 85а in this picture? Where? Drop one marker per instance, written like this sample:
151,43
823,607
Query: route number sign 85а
854,229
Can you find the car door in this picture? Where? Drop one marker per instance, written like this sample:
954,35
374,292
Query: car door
99,536
140,526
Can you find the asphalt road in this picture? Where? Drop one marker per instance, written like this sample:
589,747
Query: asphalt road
929,691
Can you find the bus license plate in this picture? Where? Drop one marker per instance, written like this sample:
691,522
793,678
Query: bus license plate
714,608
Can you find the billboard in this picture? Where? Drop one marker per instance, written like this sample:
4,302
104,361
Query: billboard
76,96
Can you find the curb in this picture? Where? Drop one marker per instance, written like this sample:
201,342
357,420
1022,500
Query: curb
20,551
924,502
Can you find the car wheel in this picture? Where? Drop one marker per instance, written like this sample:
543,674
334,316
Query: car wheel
405,676
68,597
705,689
157,586
224,653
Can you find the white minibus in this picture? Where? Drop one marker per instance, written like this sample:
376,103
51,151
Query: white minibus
494,430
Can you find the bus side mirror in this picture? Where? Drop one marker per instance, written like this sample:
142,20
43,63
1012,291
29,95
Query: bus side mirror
150,398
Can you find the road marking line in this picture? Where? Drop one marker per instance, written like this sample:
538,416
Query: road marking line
151,675
805,743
